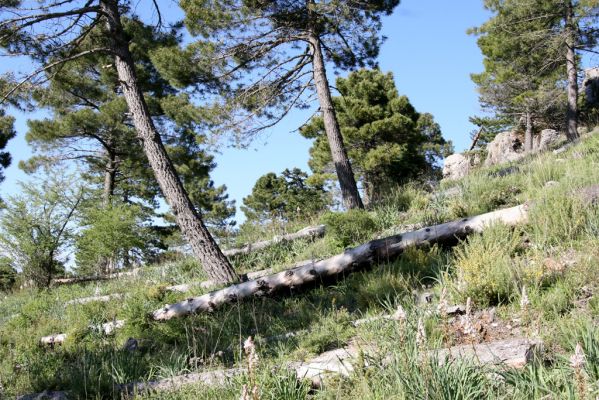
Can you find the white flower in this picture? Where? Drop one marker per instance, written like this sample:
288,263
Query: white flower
578,359
524,301
250,349
399,314
443,304
420,334
468,306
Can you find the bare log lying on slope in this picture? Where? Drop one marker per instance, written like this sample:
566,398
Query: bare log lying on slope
107,328
186,287
308,232
360,257
85,300
83,279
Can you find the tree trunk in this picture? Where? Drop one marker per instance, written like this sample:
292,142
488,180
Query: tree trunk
572,71
528,142
109,178
203,245
347,181
351,260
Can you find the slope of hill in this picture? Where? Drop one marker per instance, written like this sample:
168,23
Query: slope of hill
534,284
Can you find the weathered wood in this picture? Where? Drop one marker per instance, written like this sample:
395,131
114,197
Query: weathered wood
360,257
107,329
84,279
515,352
186,287
308,232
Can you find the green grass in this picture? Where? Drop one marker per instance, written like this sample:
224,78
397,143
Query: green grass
491,268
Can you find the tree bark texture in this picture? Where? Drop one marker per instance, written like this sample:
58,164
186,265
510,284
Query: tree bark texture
528,140
347,180
203,245
571,68
380,250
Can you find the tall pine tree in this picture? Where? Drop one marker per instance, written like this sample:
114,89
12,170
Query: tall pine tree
388,141
94,27
285,47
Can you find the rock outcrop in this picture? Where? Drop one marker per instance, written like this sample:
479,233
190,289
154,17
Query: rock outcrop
506,147
459,165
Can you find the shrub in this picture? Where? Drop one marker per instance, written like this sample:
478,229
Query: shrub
345,229
486,266
8,275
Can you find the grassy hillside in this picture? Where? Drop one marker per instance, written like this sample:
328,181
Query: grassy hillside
555,257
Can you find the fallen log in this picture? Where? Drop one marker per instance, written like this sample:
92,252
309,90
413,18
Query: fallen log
186,287
107,329
84,279
379,250
85,300
308,232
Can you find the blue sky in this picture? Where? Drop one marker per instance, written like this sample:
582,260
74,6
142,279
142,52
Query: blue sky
431,57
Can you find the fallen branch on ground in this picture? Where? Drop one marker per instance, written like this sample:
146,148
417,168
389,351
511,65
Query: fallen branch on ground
380,250
84,279
107,329
308,232
84,300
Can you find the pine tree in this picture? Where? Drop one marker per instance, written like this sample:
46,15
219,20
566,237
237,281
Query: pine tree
285,46
388,141
529,47
7,132
286,197
87,28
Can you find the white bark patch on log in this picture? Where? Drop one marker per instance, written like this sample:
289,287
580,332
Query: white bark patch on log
379,250
85,300
514,353
186,287
308,232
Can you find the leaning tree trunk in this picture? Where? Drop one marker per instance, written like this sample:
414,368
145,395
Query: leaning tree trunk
203,245
347,181
528,142
571,68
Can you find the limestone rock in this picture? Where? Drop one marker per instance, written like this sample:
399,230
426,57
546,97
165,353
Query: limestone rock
515,352
506,147
459,165
546,139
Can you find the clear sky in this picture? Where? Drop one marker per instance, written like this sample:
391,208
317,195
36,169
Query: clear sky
431,57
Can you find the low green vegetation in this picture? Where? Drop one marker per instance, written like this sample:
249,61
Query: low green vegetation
554,256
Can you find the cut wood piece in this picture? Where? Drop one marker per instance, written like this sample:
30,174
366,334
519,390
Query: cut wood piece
107,329
514,353
308,232
380,250
209,378
91,299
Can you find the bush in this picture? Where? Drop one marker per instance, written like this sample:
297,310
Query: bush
351,227
8,275
486,265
